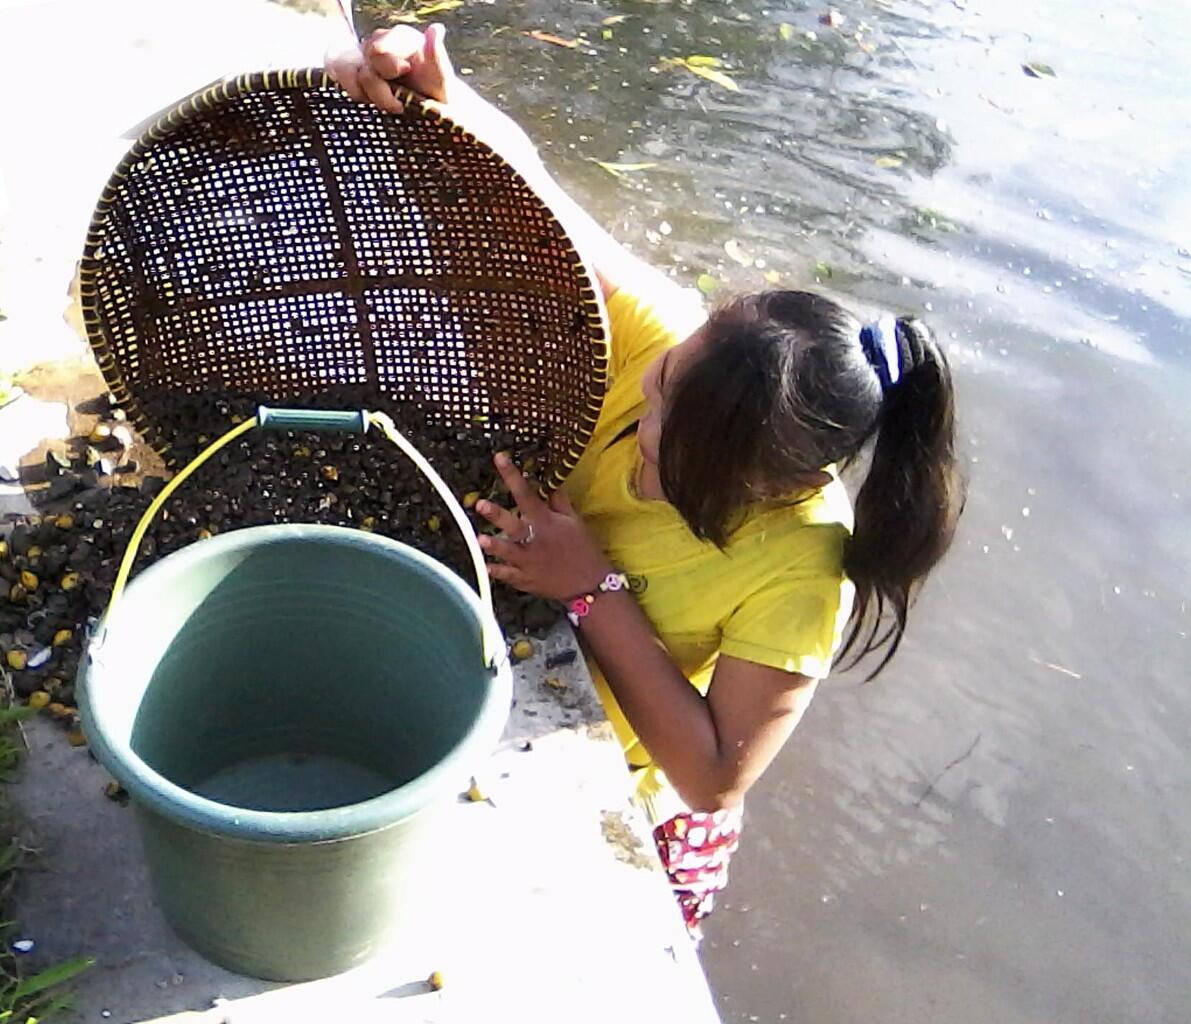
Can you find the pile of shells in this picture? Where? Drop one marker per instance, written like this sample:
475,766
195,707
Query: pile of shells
57,568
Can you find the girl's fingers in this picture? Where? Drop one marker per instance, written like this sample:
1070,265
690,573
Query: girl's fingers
501,518
346,75
509,574
518,486
559,502
390,52
378,91
434,53
506,550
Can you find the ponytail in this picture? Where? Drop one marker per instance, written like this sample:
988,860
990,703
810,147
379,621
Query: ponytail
907,508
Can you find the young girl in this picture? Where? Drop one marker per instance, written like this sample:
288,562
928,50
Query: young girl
704,546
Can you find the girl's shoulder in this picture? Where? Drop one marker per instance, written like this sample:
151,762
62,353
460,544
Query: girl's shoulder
826,506
648,318
795,539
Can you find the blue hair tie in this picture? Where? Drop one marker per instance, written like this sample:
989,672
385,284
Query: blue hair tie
879,341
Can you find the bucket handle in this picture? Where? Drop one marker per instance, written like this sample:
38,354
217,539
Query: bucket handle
356,421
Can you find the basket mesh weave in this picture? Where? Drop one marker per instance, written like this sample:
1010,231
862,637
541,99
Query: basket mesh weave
271,236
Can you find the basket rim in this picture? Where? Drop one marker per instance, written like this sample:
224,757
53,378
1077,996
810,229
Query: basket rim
220,93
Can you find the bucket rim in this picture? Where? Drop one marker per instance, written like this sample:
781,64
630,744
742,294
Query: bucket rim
152,790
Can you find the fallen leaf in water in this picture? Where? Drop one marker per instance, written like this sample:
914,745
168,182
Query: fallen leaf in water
616,19
550,37
715,76
785,31
823,269
418,13
772,276
707,284
605,33
1059,668
620,170
1036,69
700,61
888,162
703,72
737,254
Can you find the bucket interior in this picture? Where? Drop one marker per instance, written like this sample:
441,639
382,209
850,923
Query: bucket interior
292,668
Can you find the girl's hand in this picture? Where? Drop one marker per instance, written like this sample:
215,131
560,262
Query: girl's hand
400,55
546,550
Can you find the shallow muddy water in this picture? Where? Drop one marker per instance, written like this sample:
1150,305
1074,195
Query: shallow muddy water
998,829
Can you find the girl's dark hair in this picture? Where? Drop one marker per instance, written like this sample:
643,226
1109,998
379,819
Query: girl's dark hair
782,389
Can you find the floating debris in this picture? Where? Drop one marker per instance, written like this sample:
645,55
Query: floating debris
426,10
622,170
1036,69
705,67
737,254
550,37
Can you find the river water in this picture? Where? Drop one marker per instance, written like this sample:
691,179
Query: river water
998,829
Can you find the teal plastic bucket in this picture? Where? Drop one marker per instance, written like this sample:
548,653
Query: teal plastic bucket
288,706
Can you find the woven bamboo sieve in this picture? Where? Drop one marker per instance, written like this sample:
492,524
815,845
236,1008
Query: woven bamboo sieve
270,236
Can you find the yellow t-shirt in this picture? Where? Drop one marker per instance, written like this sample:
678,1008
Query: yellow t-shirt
776,595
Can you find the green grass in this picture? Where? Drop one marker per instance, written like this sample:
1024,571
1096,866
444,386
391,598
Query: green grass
39,997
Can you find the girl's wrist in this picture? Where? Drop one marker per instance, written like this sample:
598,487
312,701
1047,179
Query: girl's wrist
579,606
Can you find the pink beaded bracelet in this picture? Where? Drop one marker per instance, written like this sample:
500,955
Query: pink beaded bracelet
578,607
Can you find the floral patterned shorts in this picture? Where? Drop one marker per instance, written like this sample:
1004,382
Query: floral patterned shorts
695,848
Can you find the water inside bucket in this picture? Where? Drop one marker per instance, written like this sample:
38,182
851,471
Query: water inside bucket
293,782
